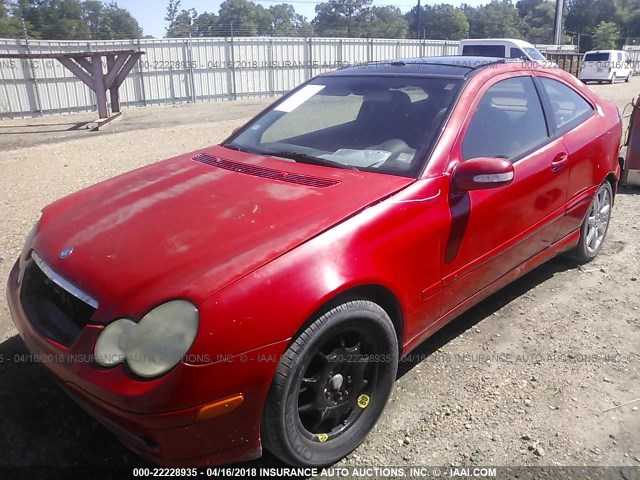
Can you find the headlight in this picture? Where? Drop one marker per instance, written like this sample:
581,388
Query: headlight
111,347
153,346
27,243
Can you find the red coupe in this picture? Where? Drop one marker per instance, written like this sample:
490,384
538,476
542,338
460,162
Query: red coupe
261,292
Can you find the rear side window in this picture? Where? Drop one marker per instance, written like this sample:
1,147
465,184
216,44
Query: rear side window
619,56
484,50
508,121
596,57
569,108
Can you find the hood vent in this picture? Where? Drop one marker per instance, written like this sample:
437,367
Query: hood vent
264,172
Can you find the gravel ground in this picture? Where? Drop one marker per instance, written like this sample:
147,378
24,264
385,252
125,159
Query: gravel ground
522,379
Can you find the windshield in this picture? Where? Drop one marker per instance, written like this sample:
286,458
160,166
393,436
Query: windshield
534,53
375,123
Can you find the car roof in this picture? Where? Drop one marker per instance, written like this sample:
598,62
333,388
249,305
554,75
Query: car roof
451,66
489,41
603,51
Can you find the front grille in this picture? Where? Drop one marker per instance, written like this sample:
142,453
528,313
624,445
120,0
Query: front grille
265,172
52,310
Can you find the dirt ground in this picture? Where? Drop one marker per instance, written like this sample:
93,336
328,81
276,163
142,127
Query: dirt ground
525,378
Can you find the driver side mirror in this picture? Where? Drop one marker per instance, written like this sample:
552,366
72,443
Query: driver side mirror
483,173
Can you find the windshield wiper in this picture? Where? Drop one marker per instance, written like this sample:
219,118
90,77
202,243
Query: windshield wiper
306,158
231,146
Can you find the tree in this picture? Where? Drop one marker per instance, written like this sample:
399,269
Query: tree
93,14
54,19
286,22
206,25
109,22
539,23
73,20
384,22
583,16
440,22
122,25
605,36
183,24
10,25
525,7
498,19
172,13
627,17
344,18
239,15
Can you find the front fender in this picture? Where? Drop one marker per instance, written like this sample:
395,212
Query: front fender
396,244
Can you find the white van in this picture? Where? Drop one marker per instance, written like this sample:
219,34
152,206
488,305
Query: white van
605,66
500,48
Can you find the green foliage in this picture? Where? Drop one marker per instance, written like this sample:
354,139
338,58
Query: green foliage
345,18
500,18
10,26
242,16
67,20
109,22
628,19
440,22
285,22
358,18
205,25
583,16
384,22
539,22
605,36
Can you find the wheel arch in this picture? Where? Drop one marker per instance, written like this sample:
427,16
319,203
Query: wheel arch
613,181
373,292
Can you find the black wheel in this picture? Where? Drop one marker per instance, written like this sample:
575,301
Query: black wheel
595,225
613,79
628,78
331,385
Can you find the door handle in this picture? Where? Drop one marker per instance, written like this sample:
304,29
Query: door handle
559,162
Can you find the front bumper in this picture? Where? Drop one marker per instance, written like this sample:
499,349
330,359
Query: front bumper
158,419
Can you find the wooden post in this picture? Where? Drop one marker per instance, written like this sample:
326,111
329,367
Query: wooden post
100,89
114,90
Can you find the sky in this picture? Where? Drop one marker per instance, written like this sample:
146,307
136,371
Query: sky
150,13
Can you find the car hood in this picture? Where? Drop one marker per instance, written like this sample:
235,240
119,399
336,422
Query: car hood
191,225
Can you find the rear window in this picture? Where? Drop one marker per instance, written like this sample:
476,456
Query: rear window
597,57
569,108
496,51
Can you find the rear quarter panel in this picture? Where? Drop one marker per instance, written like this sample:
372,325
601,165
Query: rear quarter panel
593,149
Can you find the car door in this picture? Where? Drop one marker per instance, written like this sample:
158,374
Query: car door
495,230
571,119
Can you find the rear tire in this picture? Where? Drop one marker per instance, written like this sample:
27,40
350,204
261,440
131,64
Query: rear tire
595,225
613,79
331,385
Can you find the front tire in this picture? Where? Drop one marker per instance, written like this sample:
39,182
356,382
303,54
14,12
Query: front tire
331,385
595,225
628,79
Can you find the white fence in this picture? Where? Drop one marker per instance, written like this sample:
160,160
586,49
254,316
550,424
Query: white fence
193,70
634,55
